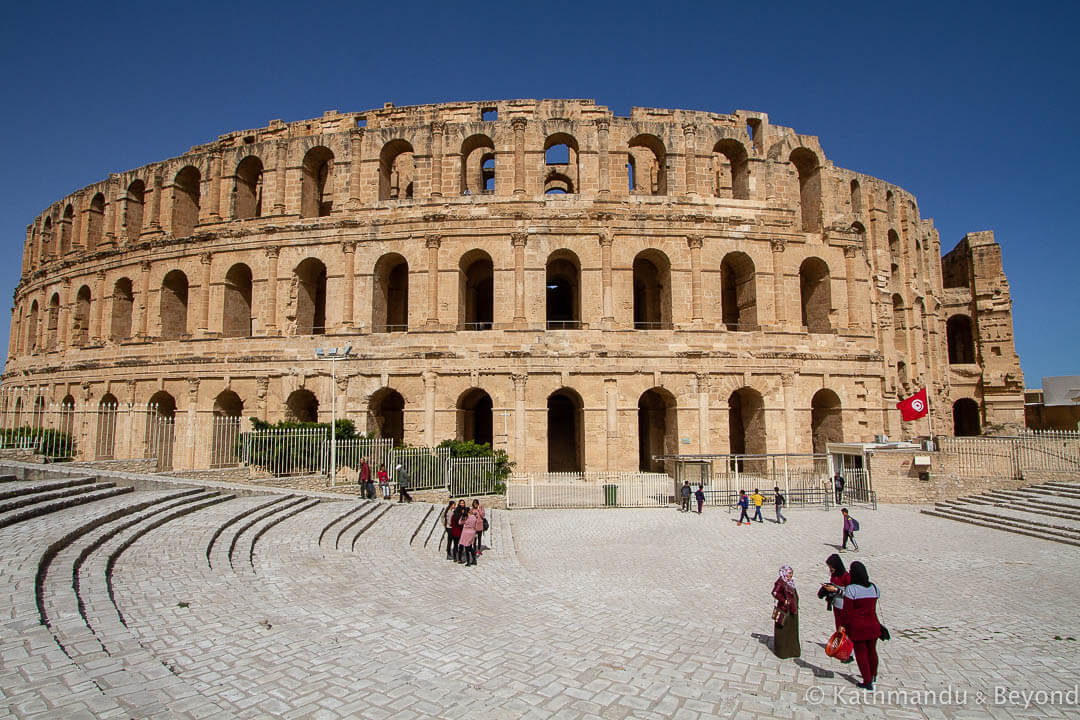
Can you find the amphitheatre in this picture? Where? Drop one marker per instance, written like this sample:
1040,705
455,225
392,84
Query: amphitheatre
608,300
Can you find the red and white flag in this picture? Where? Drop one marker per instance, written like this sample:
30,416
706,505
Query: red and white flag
914,407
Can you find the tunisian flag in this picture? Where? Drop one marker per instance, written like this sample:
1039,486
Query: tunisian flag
914,407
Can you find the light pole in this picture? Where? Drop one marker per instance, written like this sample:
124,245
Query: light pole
333,355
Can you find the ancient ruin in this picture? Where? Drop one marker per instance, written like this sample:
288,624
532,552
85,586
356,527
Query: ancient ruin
582,290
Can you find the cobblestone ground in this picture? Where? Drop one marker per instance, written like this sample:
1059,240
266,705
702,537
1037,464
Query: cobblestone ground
573,614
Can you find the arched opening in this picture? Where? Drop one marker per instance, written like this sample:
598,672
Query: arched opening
647,163
563,299
67,422
746,425
310,278
894,245
816,295
95,221
961,340
474,417
652,291
38,418
561,171
236,310
808,168
53,323
80,334
658,430
966,420
46,239
123,303
185,214
32,328
730,170
133,208
476,295
899,323
18,412
248,189
738,292
476,152
396,171
302,406
390,300
902,376
228,414
105,433
826,420
566,443
66,229
856,199
160,428
174,305
386,415
317,183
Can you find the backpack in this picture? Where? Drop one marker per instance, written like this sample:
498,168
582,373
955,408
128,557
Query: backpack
854,525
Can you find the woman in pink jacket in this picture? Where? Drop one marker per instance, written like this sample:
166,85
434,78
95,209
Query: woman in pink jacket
468,535
479,528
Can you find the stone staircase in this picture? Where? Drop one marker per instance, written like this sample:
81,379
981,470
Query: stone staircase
1050,511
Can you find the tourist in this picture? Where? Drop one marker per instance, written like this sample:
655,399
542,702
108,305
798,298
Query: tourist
384,482
699,495
838,487
447,523
786,615
684,492
744,503
838,577
401,475
850,526
481,528
469,527
456,522
367,487
758,498
780,501
858,618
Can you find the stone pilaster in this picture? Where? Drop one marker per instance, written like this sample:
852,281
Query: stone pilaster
518,240
697,292
432,243
518,124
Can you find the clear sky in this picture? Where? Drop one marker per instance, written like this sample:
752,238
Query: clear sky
970,106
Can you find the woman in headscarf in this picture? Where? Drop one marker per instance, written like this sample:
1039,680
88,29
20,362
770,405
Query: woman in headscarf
838,577
786,615
858,615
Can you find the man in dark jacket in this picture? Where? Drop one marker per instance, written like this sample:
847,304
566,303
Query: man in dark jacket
402,477
684,493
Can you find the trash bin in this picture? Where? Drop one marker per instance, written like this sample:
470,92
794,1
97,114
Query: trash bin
611,495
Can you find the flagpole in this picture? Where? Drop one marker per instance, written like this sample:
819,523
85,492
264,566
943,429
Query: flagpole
930,419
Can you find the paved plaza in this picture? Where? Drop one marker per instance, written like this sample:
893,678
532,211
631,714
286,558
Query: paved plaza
294,606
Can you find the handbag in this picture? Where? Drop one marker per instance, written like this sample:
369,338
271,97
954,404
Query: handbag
485,524
839,646
778,617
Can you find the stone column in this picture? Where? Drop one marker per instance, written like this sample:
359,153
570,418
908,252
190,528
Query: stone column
611,394
602,127
112,209
262,384
779,314
432,243
518,124
99,309
215,186
788,380
520,428
270,323
697,291
64,334
204,310
155,201
518,240
356,142
144,312
852,290
438,129
349,248
14,333
429,408
605,263
279,177
703,412
193,443
690,139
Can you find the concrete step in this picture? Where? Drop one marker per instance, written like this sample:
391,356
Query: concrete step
45,508
1009,503
20,488
47,494
1000,523
1020,515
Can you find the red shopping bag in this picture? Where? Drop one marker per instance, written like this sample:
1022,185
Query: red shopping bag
839,646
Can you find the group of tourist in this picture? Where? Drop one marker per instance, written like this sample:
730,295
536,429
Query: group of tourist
758,499
367,483
464,528
851,597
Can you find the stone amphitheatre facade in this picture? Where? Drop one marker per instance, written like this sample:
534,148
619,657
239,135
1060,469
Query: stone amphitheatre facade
583,290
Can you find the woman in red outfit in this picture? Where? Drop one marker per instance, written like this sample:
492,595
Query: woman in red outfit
858,616
838,577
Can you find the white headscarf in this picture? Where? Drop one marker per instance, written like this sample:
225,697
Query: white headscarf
786,574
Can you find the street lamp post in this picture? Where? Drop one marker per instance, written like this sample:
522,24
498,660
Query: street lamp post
333,355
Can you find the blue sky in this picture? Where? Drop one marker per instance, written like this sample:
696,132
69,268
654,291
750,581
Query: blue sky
970,106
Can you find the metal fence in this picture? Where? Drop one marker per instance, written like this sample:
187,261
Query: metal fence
375,450
287,451
471,476
1011,457
589,490
426,466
